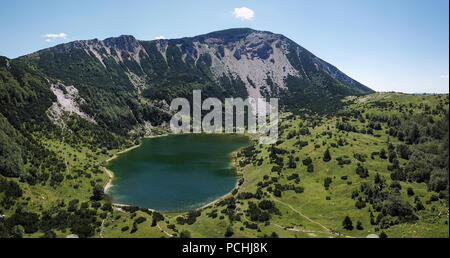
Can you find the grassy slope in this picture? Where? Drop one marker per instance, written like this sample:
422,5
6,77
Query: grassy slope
306,214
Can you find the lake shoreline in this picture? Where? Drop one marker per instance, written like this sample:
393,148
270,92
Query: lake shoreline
115,156
236,186
234,164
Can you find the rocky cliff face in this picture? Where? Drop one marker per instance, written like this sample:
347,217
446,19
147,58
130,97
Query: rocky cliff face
254,57
230,63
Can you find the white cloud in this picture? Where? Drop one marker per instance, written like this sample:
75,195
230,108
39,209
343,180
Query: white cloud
53,36
445,76
160,37
243,13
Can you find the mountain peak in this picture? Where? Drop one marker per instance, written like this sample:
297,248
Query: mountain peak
121,37
229,35
258,64
123,42
232,31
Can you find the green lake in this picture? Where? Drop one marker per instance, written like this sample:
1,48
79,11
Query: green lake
177,172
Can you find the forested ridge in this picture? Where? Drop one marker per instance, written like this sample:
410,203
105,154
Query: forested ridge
26,157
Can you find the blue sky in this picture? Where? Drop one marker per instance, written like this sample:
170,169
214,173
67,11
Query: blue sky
400,45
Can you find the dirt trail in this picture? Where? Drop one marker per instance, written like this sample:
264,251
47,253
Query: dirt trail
309,219
117,208
309,232
300,213
103,225
162,230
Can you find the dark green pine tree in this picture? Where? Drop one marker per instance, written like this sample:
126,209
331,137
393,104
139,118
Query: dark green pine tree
347,223
291,163
359,225
98,193
377,179
327,156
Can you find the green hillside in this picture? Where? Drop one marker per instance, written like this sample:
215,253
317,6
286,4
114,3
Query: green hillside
387,170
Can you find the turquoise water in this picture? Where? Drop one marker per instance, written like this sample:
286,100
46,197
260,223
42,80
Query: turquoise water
176,173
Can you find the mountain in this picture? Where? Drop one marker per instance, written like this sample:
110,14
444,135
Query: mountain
116,75
106,93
